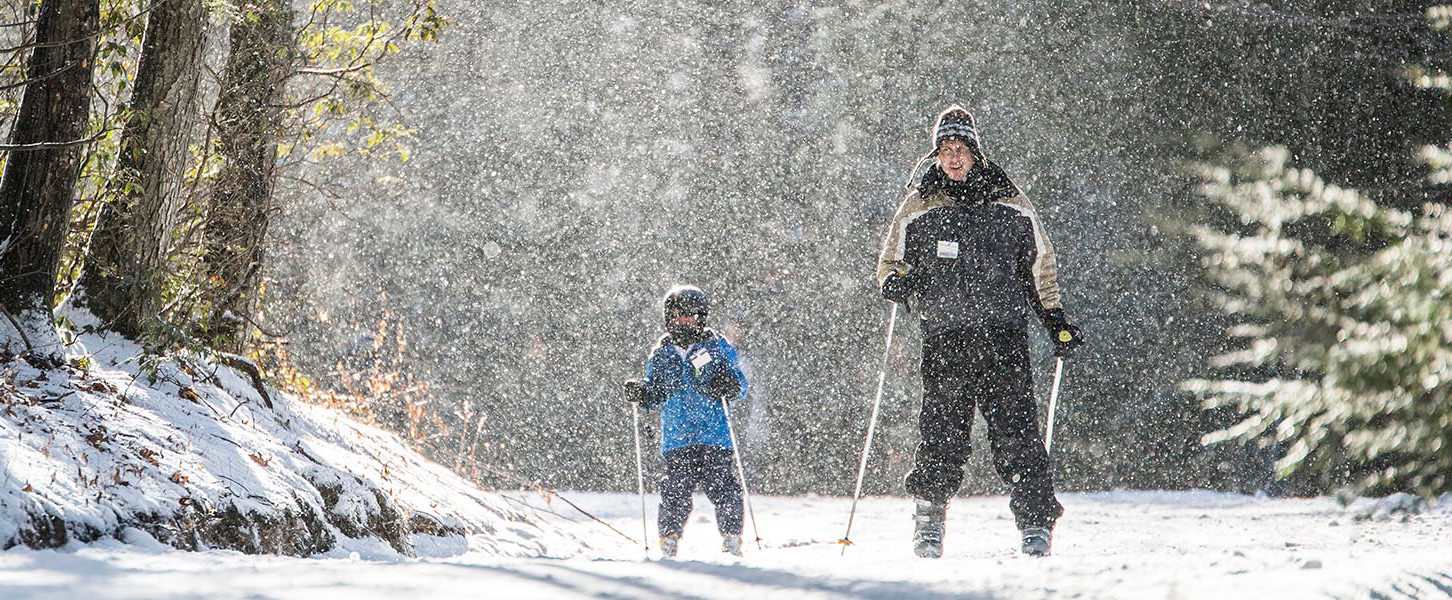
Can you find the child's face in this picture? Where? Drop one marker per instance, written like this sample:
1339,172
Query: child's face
683,326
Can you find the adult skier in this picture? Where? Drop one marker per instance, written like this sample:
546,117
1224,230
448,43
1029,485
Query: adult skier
689,373
968,253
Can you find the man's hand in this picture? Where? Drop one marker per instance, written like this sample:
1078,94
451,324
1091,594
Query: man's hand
896,288
1065,336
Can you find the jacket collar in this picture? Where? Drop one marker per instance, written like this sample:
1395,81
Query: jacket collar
706,334
985,183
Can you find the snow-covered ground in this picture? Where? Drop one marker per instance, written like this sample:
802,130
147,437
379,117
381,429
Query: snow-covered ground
116,448
1112,545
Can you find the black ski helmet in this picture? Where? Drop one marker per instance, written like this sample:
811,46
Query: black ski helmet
686,300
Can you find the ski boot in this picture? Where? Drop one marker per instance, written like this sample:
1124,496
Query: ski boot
928,528
669,544
1036,541
731,544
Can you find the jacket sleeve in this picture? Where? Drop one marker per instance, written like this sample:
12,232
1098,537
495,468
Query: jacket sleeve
894,245
656,389
1039,272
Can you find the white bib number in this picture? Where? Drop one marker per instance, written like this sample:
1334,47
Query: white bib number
947,249
700,360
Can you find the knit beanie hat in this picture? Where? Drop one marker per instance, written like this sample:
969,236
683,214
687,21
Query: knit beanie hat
955,122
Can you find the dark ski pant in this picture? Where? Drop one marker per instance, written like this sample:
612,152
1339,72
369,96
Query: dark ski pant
710,467
988,371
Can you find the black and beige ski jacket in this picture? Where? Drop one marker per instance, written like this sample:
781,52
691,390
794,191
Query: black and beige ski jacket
976,255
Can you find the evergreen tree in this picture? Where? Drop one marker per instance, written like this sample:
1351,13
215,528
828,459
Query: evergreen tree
1344,307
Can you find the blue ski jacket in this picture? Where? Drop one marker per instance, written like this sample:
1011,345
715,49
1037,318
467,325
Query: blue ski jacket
676,381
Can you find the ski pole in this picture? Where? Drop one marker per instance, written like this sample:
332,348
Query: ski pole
1053,401
871,426
740,471
640,482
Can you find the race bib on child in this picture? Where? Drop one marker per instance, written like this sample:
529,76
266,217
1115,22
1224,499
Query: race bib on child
947,249
700,360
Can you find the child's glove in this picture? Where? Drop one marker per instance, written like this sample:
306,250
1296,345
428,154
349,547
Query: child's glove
723,386
634,391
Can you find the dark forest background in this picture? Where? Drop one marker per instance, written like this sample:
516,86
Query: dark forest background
566,162
577,158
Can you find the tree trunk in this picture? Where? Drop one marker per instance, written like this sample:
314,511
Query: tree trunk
123,278
248,111
37,189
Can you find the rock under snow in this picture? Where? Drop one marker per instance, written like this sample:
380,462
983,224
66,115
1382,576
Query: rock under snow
119,444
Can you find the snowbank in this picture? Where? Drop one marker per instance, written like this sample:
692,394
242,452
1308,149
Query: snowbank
117,444
1120,545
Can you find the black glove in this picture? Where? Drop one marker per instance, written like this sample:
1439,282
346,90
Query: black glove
723,386
634,391
1065,337
896,288
900,285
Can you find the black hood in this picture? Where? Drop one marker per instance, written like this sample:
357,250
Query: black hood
986,182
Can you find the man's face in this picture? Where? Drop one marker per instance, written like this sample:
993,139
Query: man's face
955,158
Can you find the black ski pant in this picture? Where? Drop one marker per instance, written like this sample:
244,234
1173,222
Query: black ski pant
988,371
710,467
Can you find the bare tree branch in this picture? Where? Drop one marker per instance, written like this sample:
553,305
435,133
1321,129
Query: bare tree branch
19,329
93,36
53,145
334,72
29,80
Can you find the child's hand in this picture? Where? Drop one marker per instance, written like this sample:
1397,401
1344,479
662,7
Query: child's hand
634,391
723,386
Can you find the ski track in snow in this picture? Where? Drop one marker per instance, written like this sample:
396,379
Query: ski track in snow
1160,545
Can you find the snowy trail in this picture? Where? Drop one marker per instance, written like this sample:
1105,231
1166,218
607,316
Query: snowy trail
1113,545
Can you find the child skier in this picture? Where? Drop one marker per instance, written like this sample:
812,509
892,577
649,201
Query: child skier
688,375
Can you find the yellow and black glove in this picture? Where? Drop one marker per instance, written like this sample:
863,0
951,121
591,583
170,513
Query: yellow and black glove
1066,337
900,285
